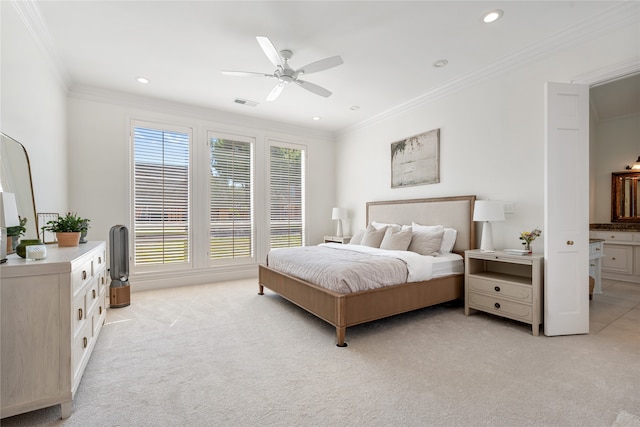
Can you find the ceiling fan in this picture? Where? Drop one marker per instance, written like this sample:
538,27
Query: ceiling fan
285,74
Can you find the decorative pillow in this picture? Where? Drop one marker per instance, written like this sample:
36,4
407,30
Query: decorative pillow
373,237
448,240
426,242
357,238
396,240
419,227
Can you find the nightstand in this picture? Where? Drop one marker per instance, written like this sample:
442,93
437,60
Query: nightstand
505,285
335,239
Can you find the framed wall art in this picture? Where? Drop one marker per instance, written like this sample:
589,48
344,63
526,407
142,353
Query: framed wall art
416,160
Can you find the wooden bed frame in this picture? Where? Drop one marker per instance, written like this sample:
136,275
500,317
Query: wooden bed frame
345,310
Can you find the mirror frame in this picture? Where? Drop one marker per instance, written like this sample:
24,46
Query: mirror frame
618,197
32,216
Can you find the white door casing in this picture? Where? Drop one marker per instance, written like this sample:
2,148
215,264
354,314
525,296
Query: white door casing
566,210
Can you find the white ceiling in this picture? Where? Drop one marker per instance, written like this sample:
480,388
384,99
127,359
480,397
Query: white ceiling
388,48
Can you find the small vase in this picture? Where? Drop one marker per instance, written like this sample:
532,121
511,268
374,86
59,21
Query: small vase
527,246
21,249
68,239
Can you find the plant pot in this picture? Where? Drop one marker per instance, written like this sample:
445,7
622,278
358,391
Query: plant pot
68,239
21,249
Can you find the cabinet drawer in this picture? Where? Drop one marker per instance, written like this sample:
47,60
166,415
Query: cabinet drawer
79,314
80,276
596,250
502,307
99,314
93,295
99,261
613,236
500,289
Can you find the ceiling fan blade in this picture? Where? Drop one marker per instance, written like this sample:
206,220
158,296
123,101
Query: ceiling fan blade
245,74
321,65
270,50
311,87
275,92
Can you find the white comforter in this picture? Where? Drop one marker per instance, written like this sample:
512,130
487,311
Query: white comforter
351,268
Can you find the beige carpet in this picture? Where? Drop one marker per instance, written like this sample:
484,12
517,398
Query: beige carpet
221,355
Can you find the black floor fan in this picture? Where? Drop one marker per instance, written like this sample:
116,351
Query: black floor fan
119,290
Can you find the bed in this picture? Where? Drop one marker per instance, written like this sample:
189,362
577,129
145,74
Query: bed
343,310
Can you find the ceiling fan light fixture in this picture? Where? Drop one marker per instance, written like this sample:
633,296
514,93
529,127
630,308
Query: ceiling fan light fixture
492,16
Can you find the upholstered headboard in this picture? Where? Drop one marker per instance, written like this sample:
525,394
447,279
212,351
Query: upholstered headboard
455,212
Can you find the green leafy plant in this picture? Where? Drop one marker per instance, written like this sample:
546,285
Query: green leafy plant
68,223
17,230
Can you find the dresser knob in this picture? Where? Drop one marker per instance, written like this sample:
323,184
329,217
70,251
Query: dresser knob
497,288
570,242
497,305
93,293
85,341
84,275
80,314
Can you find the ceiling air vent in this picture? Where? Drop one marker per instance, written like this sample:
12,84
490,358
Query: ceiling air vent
245,102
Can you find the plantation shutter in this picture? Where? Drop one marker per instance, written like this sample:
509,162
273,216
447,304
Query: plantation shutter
287,201
231,198
161,196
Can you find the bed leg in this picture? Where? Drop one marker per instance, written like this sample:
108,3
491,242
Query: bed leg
260,289
340,333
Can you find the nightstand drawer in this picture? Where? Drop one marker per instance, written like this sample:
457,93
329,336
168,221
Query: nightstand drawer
512,310
500,289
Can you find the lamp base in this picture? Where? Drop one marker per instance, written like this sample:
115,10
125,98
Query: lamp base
486,241
339,230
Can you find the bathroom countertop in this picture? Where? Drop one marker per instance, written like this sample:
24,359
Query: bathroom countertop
619,226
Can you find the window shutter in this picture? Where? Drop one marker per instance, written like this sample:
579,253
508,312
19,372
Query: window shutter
287,175
161,196
231,198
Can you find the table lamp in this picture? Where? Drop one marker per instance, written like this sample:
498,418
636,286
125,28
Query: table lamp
486,211
339,214
8,218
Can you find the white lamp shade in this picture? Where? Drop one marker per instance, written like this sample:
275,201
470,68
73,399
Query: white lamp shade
339,213
8,210
488,210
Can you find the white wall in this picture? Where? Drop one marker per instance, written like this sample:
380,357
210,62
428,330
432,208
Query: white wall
616,145
491,143
33,110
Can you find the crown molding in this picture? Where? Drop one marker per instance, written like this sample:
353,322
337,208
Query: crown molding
30,14
619,16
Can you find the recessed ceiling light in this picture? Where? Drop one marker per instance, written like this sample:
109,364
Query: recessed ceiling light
355,107
492,16
440,63
316,118
142,80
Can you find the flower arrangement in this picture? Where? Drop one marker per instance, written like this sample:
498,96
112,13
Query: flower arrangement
529,236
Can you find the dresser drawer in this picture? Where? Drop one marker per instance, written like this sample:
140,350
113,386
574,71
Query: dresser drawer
501,289
81,275
99,261
93,294
506,308
99,314
79,314
80,349
613,236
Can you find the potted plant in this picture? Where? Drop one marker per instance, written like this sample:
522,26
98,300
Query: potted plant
14,233
68,229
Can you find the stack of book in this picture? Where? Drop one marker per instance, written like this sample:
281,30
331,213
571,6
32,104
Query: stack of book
518,251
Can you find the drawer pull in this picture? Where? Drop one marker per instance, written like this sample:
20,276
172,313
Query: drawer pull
99,260
592,265
497,288
613,258
100,310
597,249
85,341
570,242
102,280
80,314
84,275
93,293
613,237
497,305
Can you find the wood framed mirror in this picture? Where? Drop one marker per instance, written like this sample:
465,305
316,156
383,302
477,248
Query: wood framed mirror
625,201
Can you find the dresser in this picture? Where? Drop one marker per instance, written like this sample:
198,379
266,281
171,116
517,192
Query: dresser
505,285
52,313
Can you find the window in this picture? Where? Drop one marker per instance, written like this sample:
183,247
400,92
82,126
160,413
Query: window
287,201
231,197
161,195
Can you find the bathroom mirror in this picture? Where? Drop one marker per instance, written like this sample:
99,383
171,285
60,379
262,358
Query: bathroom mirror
625,201
15,177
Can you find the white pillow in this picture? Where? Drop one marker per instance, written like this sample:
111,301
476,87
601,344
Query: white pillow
373,237
357,238
396,240
448,240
